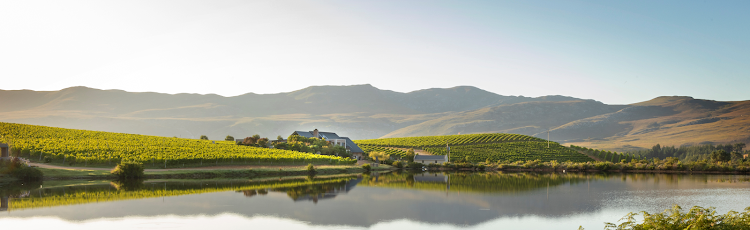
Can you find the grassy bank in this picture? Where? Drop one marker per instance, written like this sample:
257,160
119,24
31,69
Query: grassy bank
64,174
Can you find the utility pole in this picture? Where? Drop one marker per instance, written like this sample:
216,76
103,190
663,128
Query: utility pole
449,151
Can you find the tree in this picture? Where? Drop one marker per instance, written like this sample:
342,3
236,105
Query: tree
279,138
249,141
720,155
738,147
204,137
256,136
410,155
380,155
737,156
229,138
262,142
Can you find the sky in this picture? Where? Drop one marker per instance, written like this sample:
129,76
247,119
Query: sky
617,52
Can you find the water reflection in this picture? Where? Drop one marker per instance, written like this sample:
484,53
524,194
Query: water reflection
461,199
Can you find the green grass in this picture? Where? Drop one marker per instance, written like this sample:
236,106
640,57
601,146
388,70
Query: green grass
74,173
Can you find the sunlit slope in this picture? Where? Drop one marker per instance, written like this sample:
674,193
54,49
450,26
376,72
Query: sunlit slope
482,147
666,121
71,145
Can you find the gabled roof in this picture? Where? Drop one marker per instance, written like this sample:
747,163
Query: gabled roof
307,134
429,157
352,147
328,135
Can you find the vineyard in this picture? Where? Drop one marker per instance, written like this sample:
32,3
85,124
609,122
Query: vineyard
390,151
437,141
70,146
475,148
511,152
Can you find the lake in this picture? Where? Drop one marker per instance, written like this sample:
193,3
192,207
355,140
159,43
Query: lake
396,200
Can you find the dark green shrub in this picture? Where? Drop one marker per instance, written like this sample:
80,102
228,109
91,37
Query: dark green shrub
414,165
367,167
27,173
47,159
310,169
128,170
398,164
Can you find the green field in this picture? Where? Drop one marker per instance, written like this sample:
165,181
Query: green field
390,151
481,147
82,147
437,141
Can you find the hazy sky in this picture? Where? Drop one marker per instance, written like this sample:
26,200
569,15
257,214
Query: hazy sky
612,51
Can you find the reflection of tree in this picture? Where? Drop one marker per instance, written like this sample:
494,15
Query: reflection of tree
126,190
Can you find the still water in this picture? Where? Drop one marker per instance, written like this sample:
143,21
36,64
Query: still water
378,201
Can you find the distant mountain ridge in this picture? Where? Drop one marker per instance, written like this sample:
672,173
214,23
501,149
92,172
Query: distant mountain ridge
366,112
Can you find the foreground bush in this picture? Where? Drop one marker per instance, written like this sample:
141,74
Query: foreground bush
696,218
128,170
367,167
310,169
20,170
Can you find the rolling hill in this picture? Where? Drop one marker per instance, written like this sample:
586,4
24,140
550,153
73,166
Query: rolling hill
366,112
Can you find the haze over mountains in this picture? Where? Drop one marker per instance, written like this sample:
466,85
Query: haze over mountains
365,112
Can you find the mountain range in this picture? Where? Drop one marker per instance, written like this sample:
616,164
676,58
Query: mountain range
366,112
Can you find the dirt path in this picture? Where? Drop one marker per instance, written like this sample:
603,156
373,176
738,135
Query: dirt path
173,169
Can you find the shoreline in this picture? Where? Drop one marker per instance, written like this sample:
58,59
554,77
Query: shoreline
198,173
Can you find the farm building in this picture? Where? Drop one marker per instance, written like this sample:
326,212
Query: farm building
334,139
430,159
4,152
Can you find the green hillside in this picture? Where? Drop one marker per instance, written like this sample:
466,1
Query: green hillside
480,147
71,146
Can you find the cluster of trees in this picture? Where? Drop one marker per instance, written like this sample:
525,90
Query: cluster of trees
312,145
255,140
712,152
610,156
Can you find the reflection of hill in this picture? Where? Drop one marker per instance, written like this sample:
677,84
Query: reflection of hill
49,197
472,198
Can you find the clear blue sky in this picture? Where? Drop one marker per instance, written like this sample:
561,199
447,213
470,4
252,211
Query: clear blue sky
614,51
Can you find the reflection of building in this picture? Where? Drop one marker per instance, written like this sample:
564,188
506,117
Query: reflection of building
335,140
312,193
251,193
329,193
3,203
431,178
430,159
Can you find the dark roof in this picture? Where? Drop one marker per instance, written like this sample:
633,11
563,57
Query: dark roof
352,147
429,157
304,133
3,145
328,135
